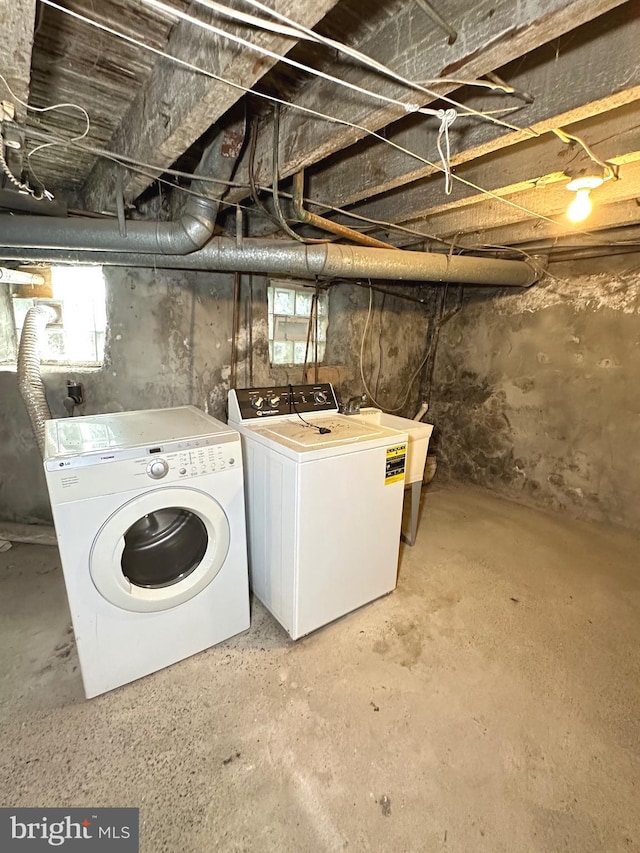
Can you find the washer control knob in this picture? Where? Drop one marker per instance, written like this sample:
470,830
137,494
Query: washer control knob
320,396
273,400
257,402
157,469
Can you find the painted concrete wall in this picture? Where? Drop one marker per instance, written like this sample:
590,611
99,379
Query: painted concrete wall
537,394
169,344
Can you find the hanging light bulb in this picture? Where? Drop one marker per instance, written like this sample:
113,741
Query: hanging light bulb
581,205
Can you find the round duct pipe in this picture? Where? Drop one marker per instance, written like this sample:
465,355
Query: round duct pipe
328,260
29,379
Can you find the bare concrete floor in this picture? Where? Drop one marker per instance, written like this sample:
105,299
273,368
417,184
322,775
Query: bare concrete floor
490,704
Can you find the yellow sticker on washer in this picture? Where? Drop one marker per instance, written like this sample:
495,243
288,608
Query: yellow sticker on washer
395,463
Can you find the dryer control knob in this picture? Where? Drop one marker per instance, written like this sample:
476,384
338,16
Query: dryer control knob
273,400
257,402
157,469
320,396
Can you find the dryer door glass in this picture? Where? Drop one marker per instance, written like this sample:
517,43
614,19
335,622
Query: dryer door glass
163,547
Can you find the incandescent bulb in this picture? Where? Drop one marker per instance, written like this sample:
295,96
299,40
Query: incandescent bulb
580,207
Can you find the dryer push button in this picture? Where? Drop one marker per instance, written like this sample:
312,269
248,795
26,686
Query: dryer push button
157,469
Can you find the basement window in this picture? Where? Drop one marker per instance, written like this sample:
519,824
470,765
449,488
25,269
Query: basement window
293,320
78,293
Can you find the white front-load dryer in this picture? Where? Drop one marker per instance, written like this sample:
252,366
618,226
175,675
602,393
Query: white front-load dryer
149,513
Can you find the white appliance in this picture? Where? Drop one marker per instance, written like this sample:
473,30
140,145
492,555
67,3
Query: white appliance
324,503
149,513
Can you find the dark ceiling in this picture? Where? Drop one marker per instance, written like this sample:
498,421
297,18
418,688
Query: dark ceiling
573,65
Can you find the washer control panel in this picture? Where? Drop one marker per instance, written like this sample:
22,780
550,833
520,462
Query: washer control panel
247,404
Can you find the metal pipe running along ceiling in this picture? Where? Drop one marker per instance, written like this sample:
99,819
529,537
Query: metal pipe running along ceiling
329,260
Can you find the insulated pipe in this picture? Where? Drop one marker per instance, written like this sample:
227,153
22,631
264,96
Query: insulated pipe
185,235
29,381
329,260
17,277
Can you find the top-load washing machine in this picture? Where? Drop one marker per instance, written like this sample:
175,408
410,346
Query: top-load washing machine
324,502
149,513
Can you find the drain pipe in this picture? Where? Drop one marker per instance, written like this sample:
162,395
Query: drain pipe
180,237
29,379
329,260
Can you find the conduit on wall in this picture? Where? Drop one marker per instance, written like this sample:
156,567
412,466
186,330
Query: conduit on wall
29,380
274,256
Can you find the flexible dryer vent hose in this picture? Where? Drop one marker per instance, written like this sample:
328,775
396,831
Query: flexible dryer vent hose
29,380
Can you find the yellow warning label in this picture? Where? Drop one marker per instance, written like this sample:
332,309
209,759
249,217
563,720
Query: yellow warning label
395,464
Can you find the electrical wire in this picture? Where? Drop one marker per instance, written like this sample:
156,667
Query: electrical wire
610,171
264,51
377,66
44,192
275,180
324,116
301,32
362,376
321,429
307,110
140,167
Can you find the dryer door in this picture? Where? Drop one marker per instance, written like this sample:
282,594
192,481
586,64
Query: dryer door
160,549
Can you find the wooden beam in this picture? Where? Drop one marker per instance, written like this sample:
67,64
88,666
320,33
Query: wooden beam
531,232
491,33
561,76
17,19
177,105
536,164
485,213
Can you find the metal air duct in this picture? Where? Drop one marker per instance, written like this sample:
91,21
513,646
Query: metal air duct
29,380
186,234
329,260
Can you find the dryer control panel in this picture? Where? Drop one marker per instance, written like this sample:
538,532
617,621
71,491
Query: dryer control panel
247,404
136,468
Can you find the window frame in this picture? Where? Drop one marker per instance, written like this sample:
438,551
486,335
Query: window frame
284,319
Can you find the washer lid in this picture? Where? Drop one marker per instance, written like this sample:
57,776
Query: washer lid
296,433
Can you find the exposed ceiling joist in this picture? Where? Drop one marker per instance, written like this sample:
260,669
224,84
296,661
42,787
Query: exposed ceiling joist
177,105
595,60
614,136
491,34
530,233
551,201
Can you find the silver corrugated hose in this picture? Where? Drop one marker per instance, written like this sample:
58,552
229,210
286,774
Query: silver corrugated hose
29,381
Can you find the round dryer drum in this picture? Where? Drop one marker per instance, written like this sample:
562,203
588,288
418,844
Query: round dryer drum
160,549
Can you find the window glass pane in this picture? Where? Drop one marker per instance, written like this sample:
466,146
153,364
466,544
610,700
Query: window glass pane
299,349
20,308
283,352
54,346
79,294
303,303
290,329
284,301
